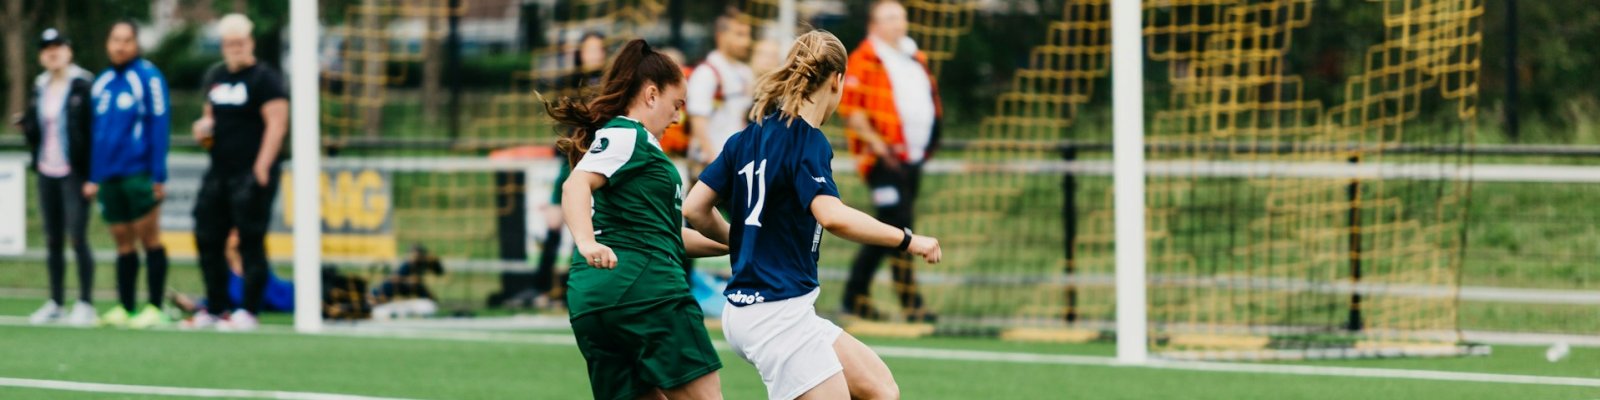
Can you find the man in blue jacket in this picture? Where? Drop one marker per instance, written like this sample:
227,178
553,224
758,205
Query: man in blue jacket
130,166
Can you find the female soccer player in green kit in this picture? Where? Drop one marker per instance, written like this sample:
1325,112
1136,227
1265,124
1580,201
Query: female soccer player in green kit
639,329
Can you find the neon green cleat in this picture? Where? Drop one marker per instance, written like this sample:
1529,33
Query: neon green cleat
149,316
116,318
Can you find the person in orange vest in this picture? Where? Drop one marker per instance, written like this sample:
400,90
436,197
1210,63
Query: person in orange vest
891,110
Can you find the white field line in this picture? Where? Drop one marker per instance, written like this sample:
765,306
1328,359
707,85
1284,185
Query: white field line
979,356
177,391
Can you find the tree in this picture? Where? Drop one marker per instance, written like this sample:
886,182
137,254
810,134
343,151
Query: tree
16,22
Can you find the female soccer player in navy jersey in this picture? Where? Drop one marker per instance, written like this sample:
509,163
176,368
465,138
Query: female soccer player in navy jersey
776,182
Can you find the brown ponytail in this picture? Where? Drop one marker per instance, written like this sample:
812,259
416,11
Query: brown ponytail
635,66
816,58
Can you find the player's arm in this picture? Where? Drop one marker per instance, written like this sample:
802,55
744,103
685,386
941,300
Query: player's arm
158,122
856,226
696,245
201,128
700,210
276,115
577,196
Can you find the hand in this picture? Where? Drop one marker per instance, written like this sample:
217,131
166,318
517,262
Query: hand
881,149
926,247
202,132
598,255
263,173
16,120
159,190
90,189
552,216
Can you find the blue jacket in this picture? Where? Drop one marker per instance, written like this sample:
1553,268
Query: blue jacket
131,123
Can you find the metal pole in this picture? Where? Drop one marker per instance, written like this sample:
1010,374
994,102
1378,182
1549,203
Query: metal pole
307,146
788,17
453,69
1127,103
1513,125
1353,322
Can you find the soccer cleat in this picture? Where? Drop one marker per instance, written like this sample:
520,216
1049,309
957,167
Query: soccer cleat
47,313
82,315
200,320
239,321
116,318
149,316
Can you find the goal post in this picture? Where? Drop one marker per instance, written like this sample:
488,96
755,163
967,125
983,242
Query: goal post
1127,97
305,137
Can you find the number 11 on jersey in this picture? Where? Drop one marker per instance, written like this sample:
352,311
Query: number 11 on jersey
754,198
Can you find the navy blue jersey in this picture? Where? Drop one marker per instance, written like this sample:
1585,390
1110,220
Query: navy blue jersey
765,179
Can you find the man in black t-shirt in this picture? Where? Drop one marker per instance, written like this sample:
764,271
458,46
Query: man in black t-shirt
246,117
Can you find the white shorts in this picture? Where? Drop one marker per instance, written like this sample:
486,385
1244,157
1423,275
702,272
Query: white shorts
787,342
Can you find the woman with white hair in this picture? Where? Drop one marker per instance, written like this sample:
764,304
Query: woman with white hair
245,119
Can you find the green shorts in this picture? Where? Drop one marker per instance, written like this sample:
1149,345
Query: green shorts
636,347
126,198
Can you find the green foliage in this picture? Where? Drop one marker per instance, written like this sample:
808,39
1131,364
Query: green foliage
179,60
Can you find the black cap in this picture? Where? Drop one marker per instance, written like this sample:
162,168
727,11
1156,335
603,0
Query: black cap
52,37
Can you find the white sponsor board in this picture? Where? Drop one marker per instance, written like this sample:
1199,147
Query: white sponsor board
13,208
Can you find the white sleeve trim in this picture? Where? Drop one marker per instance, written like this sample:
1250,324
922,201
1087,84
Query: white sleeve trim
612,147
702,92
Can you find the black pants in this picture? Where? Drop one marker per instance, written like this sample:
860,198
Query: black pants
66,215
229,201
894,194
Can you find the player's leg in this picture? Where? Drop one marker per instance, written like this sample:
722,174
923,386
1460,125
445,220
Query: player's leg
676,351
865,374
902,264
857,288
252,213
114,208
611,361
127,274
51,209
833,388
213,220
706,387
76,221
147,230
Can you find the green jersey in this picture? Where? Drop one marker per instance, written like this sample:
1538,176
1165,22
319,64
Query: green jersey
638,214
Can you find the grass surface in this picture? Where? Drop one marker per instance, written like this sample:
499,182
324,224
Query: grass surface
456,369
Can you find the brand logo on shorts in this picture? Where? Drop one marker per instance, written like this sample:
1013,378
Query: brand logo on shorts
740,298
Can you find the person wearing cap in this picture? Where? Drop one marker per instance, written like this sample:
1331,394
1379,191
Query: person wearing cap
244,120
129,159
56,127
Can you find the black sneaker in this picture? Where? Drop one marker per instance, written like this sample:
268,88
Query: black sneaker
921,316
863,311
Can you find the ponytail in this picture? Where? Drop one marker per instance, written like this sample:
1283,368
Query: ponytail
634,67
816,58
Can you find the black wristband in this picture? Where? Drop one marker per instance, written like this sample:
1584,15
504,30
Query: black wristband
905,243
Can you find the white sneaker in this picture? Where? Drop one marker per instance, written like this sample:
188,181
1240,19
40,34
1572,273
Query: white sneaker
47,313
83,314
239,321
200,320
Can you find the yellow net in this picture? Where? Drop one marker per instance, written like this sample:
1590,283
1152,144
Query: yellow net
1263,265
516,116
357,73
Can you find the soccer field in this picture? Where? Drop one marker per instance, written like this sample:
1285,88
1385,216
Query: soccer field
543,364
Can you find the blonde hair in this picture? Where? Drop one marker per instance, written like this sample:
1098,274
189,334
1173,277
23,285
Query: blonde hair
816,58
235,25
